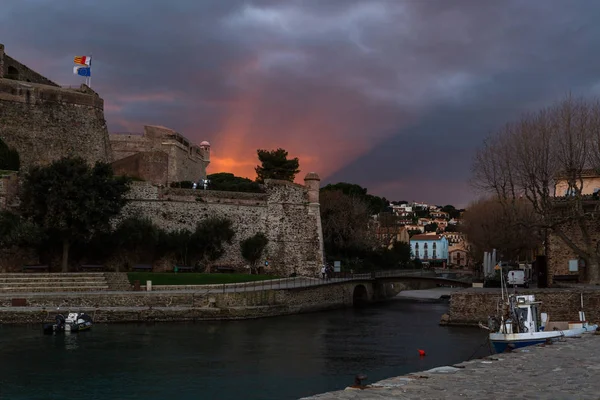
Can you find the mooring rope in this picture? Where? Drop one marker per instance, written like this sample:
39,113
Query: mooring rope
487,341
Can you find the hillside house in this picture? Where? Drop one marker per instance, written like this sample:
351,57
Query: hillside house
441,223
459,257
430,247
440,214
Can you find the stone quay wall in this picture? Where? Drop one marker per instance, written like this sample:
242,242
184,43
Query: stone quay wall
471,306
283,213
45,123
181,306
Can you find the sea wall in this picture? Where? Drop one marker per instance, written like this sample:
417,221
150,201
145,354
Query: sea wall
471,306
180,306
45,123
284,214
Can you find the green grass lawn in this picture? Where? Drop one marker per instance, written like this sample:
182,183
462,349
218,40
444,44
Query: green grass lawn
188,278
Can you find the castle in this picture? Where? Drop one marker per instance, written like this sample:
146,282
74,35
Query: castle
45,122
65,121
159,155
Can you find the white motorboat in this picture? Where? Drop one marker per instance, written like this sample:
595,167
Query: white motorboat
520,323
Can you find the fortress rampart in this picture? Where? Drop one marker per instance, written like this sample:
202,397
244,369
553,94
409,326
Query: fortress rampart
285,214
45,122
136,155
12,69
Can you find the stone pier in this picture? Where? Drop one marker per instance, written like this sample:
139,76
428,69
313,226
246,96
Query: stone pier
567,369
474,305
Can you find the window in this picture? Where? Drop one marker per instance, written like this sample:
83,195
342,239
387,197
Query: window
434,251
573,265
12,73
425,252
417,250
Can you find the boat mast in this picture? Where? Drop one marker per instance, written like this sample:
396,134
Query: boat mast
502,285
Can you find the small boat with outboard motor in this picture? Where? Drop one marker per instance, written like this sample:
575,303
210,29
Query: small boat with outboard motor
75,322
519,323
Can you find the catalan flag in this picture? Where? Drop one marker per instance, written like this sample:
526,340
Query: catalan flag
83,60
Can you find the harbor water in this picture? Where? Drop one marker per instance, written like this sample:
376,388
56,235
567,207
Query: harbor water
275,358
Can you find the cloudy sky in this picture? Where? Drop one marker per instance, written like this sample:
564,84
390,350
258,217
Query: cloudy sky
395,95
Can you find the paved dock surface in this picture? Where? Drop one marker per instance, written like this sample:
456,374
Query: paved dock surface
568,369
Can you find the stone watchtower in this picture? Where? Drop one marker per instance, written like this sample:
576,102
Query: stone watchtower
205,152
313,184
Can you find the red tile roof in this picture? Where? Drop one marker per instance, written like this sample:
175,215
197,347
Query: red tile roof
426,237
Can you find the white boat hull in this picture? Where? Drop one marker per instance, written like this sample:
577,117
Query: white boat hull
504,341
580,331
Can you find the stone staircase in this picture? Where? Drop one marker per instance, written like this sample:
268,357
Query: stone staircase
53,282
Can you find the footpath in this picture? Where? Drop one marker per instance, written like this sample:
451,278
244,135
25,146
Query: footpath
569,369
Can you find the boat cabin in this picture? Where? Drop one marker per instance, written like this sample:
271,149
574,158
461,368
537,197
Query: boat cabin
526,310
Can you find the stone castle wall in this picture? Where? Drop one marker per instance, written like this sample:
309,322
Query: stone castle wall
12,69
151,166
9,187
283,214
45,123
185,161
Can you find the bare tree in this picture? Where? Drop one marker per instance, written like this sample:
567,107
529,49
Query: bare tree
346,222
488,226
526,159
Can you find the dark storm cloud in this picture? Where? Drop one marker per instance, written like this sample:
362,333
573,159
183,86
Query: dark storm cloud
395,95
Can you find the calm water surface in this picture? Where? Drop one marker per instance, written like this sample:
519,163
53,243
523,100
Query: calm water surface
276,358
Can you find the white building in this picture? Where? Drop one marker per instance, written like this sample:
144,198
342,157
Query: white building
429,248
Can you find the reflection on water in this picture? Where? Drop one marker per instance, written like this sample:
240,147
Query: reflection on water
71,340
275,358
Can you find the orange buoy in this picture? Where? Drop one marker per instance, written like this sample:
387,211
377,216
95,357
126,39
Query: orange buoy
421,352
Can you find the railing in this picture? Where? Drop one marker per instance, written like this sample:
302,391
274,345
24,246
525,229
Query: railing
403,272
293,283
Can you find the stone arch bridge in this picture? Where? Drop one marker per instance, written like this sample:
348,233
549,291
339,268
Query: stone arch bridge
359,289
387,284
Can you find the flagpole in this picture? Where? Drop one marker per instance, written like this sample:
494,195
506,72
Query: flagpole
90,77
